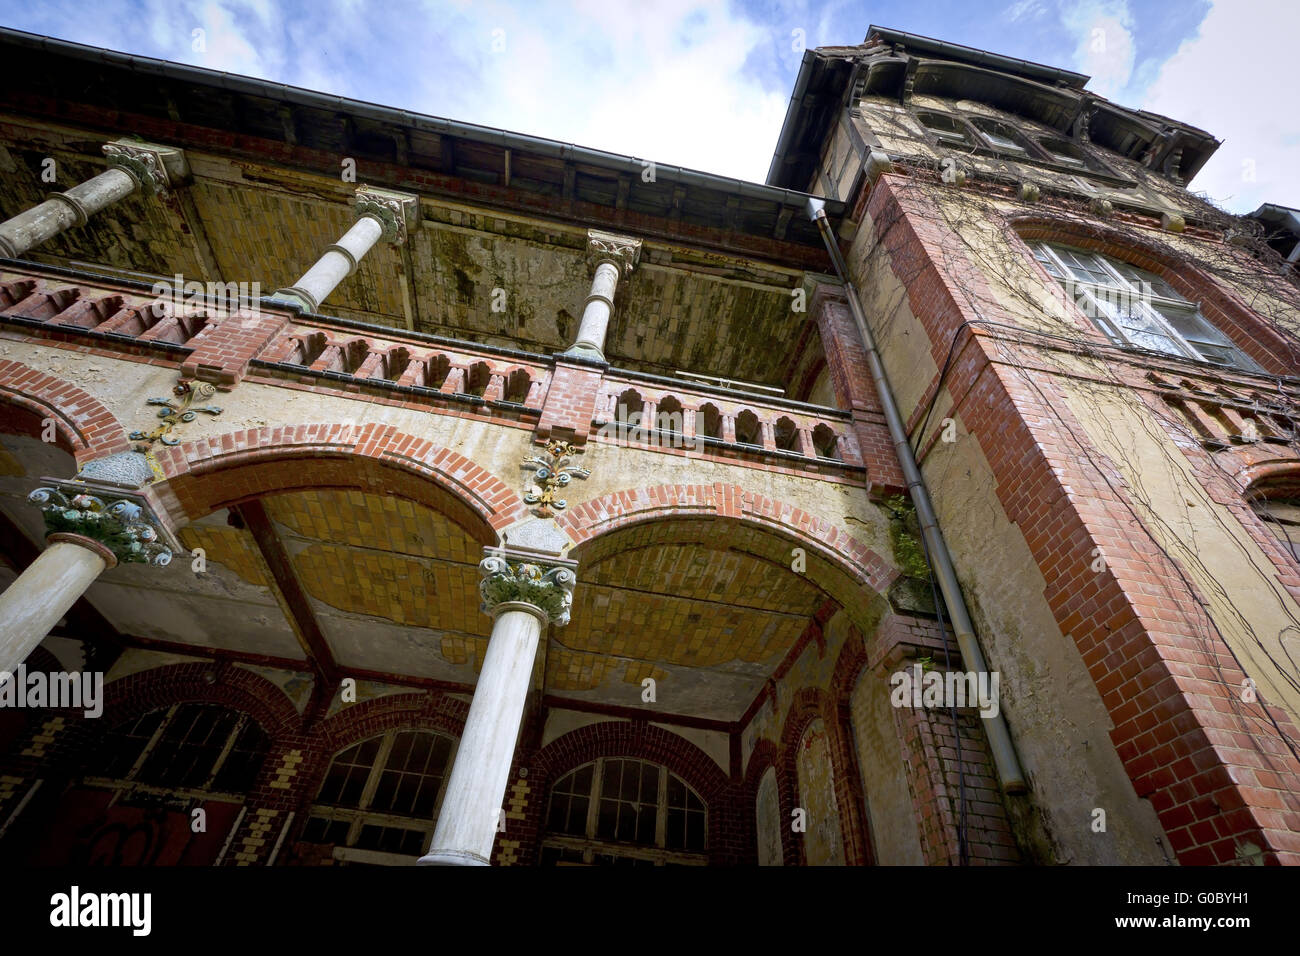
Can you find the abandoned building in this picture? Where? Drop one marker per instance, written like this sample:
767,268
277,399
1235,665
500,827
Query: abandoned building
379,489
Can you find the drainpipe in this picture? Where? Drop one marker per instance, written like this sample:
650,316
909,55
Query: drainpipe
1010,774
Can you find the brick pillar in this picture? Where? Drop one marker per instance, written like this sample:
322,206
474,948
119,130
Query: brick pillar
846,357
267,808
570,403
928,738
230,345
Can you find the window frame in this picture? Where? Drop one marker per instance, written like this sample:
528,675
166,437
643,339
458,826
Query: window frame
360,816
1144,298
591,845
128,785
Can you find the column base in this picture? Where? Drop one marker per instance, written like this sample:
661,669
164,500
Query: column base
294,296
451,858
585,352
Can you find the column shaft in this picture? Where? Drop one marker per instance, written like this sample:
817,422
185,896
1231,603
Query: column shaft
33,604
64,210
338,262
467,823
600,304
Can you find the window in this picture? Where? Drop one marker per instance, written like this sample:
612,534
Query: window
1067,154
1001,138
950,131
185,747
1138,309
622,812
381,797
1282,515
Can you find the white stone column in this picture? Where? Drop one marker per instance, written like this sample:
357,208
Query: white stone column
614,256
33,604
132,165
85,537
521,597
381,214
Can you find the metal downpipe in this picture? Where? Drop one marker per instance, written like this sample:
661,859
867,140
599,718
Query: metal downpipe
1010,774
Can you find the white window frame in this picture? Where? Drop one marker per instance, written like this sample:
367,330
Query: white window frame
1143,298
361,815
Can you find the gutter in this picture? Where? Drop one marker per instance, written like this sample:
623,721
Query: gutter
791,111
1010,774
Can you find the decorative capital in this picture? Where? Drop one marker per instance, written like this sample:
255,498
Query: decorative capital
396,212
623,251
156,168
547,587
124,526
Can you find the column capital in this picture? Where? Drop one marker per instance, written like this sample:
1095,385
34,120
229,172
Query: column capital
123,526
156,168
623,251
398,213
545,585
107,501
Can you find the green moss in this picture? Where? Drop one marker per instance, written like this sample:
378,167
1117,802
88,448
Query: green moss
905,538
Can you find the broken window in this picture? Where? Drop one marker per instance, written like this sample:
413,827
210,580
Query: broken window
1138,309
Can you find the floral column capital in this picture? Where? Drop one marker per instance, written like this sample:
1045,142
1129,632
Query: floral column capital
123,526
544,585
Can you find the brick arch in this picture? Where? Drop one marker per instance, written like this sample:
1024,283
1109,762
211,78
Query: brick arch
365,719
84,426
235,687
621,509
638,739
213,473
808,705
764,756
414,711
1251,333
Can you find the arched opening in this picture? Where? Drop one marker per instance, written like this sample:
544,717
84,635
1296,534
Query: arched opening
477,378
748,429
378,803
826,443
669,417
708,422
628,409
517,385
619,811
787,434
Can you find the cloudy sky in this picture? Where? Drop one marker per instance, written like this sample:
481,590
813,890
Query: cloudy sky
705,84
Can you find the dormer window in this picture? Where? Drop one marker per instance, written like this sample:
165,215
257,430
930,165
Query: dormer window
1001,137
947,129
1137,309
1067,154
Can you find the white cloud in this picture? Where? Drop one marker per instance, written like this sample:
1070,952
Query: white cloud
1024,10
1104,49
663,81
1236,80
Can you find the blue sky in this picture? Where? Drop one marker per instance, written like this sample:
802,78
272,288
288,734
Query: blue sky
705,84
